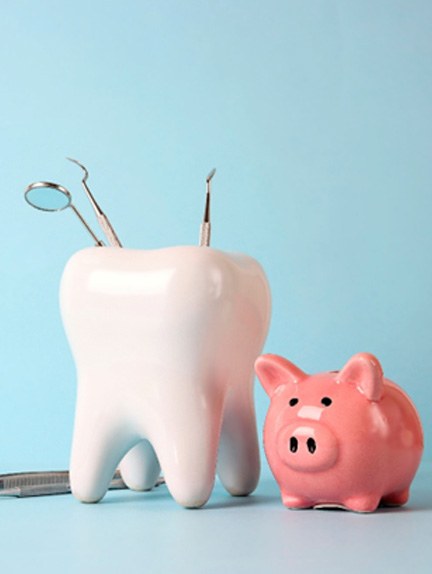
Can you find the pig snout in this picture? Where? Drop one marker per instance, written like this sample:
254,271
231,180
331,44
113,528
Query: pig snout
307,447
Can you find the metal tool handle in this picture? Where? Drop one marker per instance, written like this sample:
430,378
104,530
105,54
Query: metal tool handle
101,217
205,234
107,228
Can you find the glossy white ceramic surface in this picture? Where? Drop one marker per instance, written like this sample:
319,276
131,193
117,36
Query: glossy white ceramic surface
164,343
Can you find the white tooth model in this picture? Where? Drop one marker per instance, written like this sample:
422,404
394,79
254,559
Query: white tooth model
164,343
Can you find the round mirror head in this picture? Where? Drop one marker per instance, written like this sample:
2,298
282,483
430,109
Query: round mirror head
47,196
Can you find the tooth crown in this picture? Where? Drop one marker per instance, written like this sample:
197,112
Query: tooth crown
164,343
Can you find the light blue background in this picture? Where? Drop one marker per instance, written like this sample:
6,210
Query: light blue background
317,116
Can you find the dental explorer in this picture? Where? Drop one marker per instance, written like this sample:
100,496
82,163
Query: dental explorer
205,229
101,217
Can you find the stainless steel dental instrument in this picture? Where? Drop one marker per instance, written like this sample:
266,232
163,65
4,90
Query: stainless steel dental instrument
101,217
48,196
25,484
205,229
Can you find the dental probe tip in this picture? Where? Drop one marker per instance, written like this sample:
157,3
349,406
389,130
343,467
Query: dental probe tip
81,166
210,175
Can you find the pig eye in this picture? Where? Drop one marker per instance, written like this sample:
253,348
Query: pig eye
326,401
293,402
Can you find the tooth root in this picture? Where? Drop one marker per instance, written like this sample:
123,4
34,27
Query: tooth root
100,442
186,445
239,460
140,467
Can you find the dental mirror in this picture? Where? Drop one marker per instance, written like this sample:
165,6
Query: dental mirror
48,196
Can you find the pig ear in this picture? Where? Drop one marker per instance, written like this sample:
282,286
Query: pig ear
365,372
274,371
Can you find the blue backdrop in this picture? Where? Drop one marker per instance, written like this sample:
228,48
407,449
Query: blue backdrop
317,116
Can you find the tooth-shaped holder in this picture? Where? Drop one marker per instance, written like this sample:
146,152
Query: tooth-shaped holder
164,343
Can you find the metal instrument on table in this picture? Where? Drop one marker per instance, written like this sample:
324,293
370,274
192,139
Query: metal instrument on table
26,484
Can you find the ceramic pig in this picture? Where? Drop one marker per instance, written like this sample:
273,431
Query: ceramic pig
348,438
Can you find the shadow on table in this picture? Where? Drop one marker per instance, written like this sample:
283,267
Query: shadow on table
266,492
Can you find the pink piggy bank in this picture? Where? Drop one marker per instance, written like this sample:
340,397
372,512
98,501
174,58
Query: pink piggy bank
348,438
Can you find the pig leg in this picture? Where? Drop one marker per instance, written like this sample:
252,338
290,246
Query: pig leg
140,467
295,502
239,461
100,441
396,498
362,503
186,444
